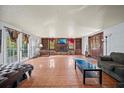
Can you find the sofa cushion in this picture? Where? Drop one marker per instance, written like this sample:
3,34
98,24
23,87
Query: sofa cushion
108,65
106,58
3,67
0,65
119,70
2,79
118,57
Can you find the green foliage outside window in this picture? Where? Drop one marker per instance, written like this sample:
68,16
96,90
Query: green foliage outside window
11,47
24,49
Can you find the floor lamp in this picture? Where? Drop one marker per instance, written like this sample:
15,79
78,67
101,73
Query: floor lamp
41,45
106,44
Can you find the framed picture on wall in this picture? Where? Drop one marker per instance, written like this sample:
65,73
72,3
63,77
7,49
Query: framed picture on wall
62,41
52,43
71,43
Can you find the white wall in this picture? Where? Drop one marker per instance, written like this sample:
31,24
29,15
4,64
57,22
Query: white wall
84,44
115,41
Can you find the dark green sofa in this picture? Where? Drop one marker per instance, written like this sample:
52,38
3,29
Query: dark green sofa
113,65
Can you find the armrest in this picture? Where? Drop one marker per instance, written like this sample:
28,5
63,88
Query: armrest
105,58
119,70
119,66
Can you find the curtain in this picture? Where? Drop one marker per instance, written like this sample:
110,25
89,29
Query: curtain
25,38
13,34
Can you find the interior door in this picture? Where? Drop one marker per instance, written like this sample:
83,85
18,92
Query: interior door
78,46
45,48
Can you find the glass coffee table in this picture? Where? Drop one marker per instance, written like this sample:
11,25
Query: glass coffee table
88,69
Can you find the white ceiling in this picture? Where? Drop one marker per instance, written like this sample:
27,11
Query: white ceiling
62,20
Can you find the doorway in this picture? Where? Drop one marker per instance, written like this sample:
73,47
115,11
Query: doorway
96,45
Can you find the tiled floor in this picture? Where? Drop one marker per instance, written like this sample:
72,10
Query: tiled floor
58,71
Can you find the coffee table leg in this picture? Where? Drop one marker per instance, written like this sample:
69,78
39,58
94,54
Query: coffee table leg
75,65
100,76
84,77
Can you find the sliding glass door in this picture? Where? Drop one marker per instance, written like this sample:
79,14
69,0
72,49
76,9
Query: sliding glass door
11,46
16,46
25,41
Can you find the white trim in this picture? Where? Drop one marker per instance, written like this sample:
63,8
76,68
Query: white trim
13,27
4,46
